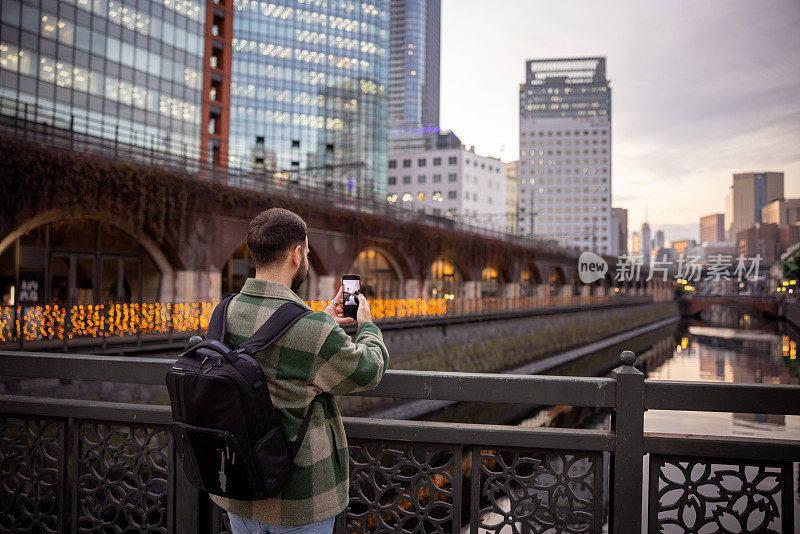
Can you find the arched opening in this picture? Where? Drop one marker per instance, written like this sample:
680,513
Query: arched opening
555,281
529,278
491,283
380,276
240,267
77,261
444,280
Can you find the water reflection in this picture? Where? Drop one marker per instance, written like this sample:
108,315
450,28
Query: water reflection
719,354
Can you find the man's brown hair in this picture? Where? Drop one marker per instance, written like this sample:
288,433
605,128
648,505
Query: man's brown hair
273,233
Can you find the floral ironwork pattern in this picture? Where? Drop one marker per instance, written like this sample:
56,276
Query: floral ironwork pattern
122,478
537,491
399,487
712,496
31,454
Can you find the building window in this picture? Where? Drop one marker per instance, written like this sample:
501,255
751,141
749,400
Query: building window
421,196
406,163
421,162
406,179
392,180
437,178
452,160
452,195
452,177
437,162
421,179
392,163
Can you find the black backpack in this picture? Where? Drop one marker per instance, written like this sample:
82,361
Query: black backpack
226,430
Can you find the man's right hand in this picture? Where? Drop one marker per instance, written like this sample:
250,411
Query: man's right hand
364,315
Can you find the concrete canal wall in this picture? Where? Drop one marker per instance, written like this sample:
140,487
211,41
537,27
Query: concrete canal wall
511,343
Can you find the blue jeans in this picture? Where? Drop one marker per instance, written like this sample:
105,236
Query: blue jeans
240,525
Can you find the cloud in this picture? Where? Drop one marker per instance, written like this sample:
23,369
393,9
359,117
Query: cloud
700,90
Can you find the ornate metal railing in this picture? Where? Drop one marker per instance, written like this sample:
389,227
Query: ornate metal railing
79,466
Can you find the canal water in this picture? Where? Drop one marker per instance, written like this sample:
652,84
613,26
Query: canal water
723,347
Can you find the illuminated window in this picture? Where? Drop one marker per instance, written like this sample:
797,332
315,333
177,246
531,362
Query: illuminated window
444,280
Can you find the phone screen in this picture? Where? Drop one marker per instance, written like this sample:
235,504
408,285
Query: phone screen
350,288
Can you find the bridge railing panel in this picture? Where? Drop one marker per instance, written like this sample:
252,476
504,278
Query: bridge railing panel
74,465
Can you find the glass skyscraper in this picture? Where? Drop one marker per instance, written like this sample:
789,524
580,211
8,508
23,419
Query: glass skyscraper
414,63
120,70
308,94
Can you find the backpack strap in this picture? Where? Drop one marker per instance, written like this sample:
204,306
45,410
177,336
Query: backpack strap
219,320
301,434
279,322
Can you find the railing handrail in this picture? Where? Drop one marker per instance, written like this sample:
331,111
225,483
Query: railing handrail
449,386
702,396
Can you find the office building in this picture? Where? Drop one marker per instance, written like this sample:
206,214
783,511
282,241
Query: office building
619,232
295,91
658,242
636,244
511,197
451,182
414,63
565,152
684,247
308,94
761,239
712,228
783,212
751,192
646,243
729,215
117,73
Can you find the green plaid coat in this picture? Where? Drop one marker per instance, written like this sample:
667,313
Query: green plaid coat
314,356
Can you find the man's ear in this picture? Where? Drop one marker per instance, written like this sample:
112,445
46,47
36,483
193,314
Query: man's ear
297,255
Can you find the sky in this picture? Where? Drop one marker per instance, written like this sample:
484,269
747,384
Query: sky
700,90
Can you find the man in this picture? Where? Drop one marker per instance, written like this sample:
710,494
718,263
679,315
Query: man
314,356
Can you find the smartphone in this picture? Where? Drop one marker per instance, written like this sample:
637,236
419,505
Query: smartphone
351,287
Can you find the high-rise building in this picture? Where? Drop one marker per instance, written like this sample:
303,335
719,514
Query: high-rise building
636,244
511,197
414,63
296,91
659,242
646,243
619,232
565,152
783,212
309,86
729,215
712,228
120,74
683,247
446,180
751,192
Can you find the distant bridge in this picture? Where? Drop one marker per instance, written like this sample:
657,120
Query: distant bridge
694,305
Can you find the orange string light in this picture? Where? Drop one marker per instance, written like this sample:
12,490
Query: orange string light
54,321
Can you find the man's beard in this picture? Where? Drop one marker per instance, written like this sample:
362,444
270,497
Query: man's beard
300,276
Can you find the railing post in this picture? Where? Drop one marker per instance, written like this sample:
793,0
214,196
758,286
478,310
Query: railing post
626,464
